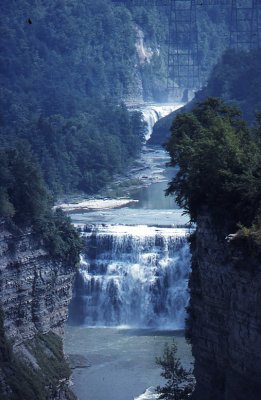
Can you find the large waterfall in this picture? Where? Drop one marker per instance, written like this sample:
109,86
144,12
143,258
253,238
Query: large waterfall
134,276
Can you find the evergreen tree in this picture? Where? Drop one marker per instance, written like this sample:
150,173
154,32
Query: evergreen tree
179,381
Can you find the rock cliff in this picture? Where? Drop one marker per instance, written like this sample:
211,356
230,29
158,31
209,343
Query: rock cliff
35,293
224,323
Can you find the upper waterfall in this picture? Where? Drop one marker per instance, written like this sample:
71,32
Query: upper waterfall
153,112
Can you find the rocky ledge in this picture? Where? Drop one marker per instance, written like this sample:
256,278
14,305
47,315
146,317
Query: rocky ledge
35,291
224,323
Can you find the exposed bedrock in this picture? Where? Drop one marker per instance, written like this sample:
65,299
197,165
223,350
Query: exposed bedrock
225,319
35,294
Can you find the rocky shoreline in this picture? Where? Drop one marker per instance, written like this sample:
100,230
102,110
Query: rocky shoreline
148,169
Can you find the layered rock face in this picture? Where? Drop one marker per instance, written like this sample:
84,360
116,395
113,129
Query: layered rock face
35,293
224,317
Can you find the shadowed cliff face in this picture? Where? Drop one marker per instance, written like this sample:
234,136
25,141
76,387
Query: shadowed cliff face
35,293
225,319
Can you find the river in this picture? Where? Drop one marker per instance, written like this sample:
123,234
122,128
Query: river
131,290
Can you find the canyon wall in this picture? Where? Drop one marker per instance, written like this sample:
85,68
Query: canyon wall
224,323
35,293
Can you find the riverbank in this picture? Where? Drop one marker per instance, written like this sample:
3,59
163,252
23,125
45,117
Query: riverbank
145,170
148,169
144,203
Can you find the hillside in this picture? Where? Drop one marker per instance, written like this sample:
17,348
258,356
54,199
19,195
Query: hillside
66,67
236,78
56,76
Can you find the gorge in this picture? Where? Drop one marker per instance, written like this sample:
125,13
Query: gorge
224,322
87,318
131,289
223,325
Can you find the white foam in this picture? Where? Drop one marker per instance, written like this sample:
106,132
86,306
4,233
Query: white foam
148,395
153,112
140,231
96,204
135,275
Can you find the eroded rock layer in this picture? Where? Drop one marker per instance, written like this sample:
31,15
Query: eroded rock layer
35,293
225,318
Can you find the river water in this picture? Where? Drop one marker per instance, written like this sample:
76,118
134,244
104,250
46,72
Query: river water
131,290
122,361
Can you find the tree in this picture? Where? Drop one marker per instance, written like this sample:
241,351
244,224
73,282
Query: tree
180,382
22,191
219,164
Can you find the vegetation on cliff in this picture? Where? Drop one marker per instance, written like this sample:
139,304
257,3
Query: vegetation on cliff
39,379
219,159
25,201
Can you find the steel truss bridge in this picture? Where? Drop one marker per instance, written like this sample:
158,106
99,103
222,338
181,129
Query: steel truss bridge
183,61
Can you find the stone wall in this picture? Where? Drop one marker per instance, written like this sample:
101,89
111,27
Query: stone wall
35,291
224,323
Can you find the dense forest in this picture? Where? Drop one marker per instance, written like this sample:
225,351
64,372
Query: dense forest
236,78
81,152
56,75
66,67
219,159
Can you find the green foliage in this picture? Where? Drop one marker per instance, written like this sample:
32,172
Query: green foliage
57,77
179,381
25,200
213,33
68,53
25,381
23,195
60,237
219,161
58,73
237,78
82,152
252,234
